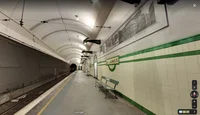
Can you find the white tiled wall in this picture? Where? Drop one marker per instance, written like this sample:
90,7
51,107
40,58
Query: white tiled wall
163,86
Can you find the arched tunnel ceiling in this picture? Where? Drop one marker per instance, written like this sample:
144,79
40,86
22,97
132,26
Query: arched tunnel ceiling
82,35
77,22
66,52
63,32
73,55
75,61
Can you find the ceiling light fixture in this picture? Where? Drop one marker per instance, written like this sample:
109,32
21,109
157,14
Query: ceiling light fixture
93,41
87,52
44,21
77,18
169,2
136,2
104,27
5,19
84,56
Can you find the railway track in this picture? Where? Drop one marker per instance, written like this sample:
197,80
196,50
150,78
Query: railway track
10,108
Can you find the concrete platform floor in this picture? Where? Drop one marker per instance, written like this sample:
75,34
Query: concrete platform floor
81,97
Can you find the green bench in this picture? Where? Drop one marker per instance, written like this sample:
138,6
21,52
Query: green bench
105,86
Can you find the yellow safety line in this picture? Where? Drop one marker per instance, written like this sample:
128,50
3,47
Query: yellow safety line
53,97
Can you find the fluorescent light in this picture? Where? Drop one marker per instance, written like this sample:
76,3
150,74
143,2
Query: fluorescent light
77,18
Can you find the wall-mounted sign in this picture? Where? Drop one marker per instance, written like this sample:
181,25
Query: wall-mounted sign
113,61
146,20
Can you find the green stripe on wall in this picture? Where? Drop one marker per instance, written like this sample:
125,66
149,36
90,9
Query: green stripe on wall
143,109
189,53
167,45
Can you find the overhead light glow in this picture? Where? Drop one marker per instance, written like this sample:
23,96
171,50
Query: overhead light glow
90,22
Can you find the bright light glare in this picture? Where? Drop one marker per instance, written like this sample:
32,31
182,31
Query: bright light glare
90,22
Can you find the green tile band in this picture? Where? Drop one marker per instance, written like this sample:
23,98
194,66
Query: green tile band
189,53
167,45
143,109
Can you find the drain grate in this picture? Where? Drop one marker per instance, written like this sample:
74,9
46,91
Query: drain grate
79,112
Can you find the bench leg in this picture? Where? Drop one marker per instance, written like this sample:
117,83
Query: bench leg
106,94
100,88
95,84
115,96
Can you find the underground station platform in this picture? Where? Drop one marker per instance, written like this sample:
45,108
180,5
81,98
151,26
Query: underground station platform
77,95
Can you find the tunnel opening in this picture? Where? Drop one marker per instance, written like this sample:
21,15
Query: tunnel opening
73,67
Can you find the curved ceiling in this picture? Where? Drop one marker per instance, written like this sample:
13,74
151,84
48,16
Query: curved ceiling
70,48
61,24
66,52
64,30
72,56
70,45
73,53
56,19
74,60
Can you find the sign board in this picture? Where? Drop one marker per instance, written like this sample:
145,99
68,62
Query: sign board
113,61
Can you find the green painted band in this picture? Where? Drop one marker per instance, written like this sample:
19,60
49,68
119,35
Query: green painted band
143,109
189,53
112,64
167,45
